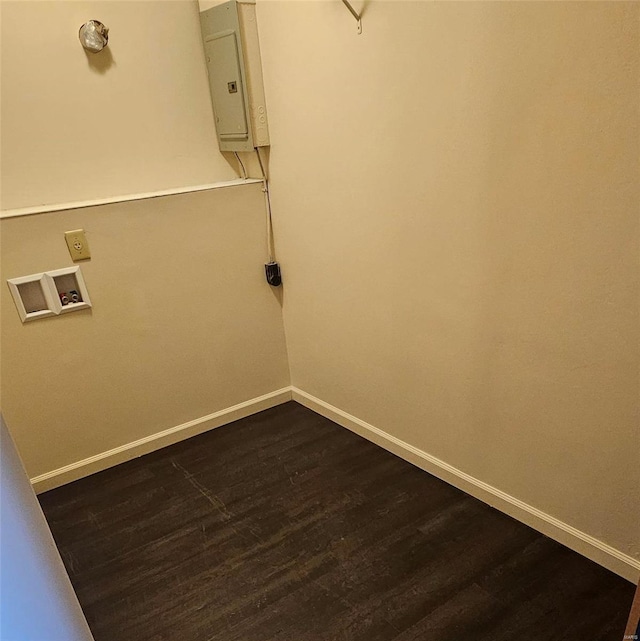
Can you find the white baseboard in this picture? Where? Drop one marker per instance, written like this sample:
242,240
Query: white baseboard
102,461
579,541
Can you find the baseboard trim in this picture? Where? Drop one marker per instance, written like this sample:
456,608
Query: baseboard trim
123,453
579,541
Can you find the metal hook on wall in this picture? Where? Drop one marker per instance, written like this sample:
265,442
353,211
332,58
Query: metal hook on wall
354,14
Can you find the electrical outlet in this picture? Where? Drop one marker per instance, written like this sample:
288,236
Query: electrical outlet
77,244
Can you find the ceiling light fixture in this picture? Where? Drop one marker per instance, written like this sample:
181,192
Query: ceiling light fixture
94,36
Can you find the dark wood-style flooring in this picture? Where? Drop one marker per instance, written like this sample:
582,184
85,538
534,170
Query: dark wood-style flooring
286,526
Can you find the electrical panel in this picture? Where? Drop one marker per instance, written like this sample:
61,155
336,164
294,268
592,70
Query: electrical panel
232,53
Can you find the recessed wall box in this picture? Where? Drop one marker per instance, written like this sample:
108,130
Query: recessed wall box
32,296
69,283
50,293
232,53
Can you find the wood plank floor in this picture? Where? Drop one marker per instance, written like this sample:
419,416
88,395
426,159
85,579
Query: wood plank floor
286,526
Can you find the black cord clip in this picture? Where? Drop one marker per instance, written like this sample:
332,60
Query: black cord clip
272,271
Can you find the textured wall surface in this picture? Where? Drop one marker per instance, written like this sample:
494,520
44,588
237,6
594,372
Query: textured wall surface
456,196
183,323
135,117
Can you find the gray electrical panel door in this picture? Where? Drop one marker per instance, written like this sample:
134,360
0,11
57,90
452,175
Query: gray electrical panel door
225,81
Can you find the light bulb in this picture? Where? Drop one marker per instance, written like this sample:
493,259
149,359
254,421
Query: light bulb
94,36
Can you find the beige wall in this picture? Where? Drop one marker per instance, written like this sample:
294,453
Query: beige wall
456,198
183,323
456,203
133,118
